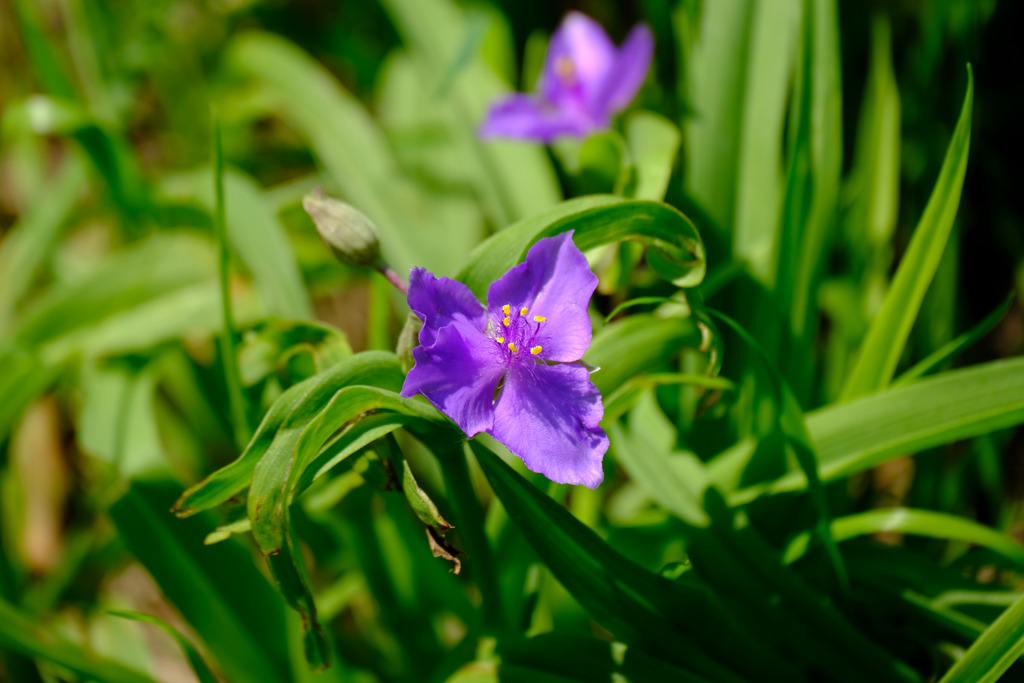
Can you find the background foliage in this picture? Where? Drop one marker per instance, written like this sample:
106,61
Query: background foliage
808,239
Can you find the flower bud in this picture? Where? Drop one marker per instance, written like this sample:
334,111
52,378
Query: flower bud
345,229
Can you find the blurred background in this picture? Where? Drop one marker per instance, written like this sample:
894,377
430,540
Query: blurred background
105,238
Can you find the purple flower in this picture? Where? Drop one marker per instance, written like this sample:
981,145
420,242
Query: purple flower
586,80
511,370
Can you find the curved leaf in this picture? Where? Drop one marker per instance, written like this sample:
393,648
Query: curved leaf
678,254
915,522
199,667
299,405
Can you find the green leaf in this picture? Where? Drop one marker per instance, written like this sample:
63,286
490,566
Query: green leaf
347,140
30,241
773,34
796,621
653,144
217,589
117,422
678,253
199,667
24,378
994,651
22,633
300,402
674,479
810,205
581,658
620,400
514,180
918,523
880,352
855,436
421,504
161,288
278,474
256,236
955,346
716,76
678,622
489,260
633,345
874,178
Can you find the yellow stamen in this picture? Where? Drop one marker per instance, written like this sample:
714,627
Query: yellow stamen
500,340
506,322
539,318
523,310
535,350
512,347
506,309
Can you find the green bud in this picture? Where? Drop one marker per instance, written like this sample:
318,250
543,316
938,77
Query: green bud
345,229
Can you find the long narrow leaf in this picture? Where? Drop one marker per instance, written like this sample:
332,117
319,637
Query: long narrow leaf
23,634
994,651
881,349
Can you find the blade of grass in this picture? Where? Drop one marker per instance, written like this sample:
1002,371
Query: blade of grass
717,73
226,340
775,25
880,352
30,241
955,346
199,667
217,589
994,651
917,523
256,236
855,436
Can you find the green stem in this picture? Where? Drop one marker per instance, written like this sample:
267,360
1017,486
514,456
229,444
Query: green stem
226,341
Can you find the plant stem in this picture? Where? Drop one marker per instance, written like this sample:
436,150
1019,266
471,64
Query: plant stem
394,278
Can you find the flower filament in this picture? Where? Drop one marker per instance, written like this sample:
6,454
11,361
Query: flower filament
518,332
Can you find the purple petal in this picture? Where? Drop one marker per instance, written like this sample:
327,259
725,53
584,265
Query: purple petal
458,374
439,301
525,117
554,282
629,71
579,57
549,416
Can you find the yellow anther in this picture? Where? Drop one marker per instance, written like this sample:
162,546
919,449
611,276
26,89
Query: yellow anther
506,309
500,340
512,347
524,310
506,322
539,318
535,350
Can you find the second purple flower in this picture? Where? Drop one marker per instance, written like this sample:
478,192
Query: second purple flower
586,80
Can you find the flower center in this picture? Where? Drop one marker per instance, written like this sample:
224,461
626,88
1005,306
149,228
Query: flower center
566,71
516,331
